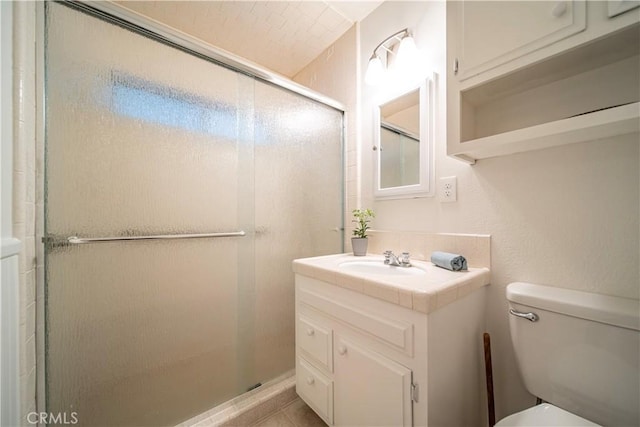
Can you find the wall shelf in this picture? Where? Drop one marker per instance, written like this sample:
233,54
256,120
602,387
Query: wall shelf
592,126
587,92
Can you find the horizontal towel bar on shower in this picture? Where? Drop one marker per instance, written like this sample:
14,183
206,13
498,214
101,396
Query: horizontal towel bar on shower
75,240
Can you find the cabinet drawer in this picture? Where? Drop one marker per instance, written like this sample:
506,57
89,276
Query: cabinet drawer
315,340
397,334
315,389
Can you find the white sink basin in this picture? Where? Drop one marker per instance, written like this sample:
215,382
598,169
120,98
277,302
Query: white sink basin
378,267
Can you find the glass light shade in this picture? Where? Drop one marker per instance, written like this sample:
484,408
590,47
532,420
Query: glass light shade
375,71
407,53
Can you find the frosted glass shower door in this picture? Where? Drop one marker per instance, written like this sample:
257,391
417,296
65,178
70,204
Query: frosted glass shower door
298,213
142,139
146,139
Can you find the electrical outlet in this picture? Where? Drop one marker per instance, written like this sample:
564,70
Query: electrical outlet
447,189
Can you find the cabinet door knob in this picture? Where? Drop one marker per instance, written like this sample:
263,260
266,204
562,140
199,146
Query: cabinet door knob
310,380
342,350
310,331
559,9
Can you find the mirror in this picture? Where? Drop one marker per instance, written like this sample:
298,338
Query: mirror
400,141
402,146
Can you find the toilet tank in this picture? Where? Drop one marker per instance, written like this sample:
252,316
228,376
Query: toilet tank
582,352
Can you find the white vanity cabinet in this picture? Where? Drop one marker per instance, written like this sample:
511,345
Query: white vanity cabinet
350,359
525,75
363,361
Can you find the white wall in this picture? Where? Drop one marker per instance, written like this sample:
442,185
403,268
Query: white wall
565,217
6,117
23,196
10,247
334,73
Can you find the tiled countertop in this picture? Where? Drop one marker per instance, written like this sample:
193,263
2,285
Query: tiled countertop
424,293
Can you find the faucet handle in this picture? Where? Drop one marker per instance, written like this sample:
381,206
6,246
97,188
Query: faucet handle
405,258
387,256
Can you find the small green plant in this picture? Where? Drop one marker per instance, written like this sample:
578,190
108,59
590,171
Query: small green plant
362,217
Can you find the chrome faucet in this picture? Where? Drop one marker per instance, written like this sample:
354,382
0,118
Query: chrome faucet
393,260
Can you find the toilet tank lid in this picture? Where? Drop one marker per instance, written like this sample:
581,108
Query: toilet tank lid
622,312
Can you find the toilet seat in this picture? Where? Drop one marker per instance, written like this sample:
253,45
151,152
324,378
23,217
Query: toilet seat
544,415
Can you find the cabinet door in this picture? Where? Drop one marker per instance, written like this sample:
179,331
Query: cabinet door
369,389
617,7
492,33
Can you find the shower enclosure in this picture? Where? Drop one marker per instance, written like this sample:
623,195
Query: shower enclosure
178,190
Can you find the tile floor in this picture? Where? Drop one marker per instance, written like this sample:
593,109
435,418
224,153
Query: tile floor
295,414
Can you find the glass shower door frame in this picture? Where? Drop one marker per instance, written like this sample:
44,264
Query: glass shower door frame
173,39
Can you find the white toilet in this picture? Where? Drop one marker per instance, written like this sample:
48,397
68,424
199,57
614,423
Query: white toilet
577,351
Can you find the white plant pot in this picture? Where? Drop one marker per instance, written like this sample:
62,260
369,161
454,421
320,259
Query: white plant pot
359,246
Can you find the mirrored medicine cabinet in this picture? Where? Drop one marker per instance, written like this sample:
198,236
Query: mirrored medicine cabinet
403,143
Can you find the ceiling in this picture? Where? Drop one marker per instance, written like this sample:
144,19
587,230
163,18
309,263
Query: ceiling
283,36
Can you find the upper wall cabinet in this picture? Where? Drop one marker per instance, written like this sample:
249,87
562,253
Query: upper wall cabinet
527,75
490,34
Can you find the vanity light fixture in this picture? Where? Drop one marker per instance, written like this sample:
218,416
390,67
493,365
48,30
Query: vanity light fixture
404,53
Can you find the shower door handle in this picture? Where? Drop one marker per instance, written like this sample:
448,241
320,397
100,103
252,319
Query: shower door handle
75,240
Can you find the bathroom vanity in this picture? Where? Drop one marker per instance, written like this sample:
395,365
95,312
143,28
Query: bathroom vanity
383,345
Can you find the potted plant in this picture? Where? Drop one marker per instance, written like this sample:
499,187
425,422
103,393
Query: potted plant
359,242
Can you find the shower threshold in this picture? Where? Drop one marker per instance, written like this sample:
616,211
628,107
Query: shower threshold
251,406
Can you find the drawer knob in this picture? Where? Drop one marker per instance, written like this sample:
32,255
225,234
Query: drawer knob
559,9
310,380
310,332
342,350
